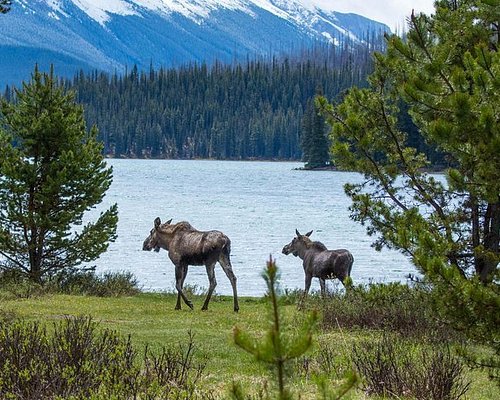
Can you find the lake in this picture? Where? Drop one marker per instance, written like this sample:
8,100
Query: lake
257,204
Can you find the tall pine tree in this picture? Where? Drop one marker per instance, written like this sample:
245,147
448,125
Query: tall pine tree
314,141
447,73
51,173
5,6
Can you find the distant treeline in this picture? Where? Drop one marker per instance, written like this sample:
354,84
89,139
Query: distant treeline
250,110
253,110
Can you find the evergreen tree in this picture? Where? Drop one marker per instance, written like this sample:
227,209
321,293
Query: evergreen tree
447,73
240,111
314,142
4,6
51,173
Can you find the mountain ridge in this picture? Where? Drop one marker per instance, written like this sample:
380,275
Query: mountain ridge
112,35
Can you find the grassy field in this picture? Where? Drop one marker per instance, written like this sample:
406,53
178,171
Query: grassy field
151,319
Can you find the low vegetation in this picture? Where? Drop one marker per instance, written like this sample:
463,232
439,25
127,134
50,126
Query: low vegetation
393,367
138,346
108,284
394,307
78,361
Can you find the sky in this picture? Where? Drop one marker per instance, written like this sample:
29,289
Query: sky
390,12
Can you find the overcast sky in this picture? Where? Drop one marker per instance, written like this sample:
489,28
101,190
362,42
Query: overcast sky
390,12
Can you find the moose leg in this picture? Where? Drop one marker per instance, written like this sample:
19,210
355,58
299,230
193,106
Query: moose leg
343,279
184,273
306,290
180,275
322,284
212,284
228,269
307,285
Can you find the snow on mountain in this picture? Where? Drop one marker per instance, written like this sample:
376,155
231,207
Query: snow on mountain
113,34
99,10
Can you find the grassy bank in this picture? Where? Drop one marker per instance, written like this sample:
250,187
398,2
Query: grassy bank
151,320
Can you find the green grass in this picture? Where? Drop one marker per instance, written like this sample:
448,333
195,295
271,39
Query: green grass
151,320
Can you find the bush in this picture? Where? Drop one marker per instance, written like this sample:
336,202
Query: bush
393,368
330,359
107,285
78,361
191,290
77,282
15,284
172,372
291,296
280,349
390,307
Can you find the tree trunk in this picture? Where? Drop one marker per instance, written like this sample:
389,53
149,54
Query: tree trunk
487,261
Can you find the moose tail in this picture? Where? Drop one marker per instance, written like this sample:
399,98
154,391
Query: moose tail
226,248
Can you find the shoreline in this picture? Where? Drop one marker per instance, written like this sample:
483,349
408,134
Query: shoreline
433,170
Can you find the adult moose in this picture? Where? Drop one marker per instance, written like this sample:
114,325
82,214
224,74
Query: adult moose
188,246
318,261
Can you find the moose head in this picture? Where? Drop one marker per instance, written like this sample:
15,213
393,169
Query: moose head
152,242
298,243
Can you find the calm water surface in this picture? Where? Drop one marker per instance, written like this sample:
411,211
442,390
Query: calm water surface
257,204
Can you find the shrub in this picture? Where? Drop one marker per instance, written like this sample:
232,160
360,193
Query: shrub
15,285
291,296
392,368
108,284
78,361
171,370
191,290
390,307
76,282
330,359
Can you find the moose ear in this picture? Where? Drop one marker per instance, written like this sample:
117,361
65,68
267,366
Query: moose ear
157,222
169,221
308,233
297,233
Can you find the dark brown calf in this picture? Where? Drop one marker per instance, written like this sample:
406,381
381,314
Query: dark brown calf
318,261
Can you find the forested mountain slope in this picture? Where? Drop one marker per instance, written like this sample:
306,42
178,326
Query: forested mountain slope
252,110
113,35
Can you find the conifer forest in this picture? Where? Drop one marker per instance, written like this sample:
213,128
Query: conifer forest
249,110
260,109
